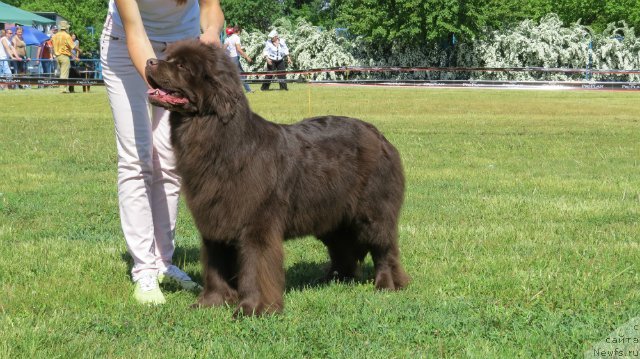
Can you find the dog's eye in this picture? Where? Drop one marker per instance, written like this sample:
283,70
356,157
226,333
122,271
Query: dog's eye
180,66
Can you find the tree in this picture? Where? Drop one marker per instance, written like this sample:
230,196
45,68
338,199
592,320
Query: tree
418,22
252,14
413,22
317,12
81,14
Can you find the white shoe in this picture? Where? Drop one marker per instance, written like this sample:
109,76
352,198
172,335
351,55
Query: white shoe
174,275
147,290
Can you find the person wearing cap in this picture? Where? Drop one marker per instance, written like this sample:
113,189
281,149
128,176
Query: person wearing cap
275,51
62,46
233,48
135,32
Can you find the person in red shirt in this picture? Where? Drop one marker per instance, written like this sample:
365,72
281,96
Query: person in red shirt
45,56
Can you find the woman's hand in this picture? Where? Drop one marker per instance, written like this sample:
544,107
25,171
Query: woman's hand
212,37
211,21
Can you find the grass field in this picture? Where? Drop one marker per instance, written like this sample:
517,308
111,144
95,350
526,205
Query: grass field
520,231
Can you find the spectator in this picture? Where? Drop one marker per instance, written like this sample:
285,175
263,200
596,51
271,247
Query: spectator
75,52
233,48
275,51
45,56
20,65
62,46
148,184
7,54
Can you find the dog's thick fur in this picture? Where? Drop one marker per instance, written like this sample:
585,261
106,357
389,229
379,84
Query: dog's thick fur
250,183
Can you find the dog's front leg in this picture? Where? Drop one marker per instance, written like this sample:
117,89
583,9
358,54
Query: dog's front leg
261,274
219,262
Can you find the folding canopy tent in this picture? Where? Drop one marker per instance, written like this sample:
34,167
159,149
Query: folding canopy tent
11,14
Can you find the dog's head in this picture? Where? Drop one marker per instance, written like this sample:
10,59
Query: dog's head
195,79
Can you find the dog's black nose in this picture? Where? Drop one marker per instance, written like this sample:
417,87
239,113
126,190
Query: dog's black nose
152,62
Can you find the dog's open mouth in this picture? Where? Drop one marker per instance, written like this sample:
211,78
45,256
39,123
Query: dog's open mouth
167,96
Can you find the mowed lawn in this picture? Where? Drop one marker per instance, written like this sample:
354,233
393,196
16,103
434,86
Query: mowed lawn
520,231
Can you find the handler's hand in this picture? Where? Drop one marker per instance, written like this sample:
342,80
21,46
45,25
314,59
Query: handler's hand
211,37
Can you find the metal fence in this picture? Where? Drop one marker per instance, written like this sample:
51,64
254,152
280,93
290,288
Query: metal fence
88,72
41,68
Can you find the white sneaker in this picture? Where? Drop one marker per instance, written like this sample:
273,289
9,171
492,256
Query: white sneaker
174,275
147,290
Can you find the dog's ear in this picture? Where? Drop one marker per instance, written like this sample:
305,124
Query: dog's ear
225,107
226,92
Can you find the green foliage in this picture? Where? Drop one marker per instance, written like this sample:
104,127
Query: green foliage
418,32
414,23
519,230
252,14
81,14
317,12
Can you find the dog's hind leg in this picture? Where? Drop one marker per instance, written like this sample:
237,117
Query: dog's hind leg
261,276
382,240
345,253
219,272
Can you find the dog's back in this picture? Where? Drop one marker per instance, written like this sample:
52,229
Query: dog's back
334,165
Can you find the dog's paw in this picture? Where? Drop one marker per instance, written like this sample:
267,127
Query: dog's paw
216,299
248,308
388,280
384,281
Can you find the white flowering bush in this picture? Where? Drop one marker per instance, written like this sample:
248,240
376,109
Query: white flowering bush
544,44
618,48
549,44
309,47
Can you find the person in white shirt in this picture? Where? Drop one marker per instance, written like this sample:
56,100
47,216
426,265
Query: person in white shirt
233,48
275,51
148,184
7,53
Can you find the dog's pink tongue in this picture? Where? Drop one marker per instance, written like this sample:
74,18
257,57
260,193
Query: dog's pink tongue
164,96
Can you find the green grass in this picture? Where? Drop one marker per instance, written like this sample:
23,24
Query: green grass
520,230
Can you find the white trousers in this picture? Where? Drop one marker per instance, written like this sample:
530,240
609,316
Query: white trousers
148,185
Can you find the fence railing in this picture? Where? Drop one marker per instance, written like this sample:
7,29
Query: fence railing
88,72
46,68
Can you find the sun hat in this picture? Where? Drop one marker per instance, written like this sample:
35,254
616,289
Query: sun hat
64,25
273,34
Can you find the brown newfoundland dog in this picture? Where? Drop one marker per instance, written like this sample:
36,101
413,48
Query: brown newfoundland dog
250,183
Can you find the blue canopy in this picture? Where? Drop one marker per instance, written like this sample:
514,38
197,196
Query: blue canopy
32,36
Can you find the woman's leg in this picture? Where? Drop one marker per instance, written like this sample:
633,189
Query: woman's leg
143,188
165,189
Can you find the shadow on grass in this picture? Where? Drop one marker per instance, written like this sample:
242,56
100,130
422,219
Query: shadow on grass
304,275
299,276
